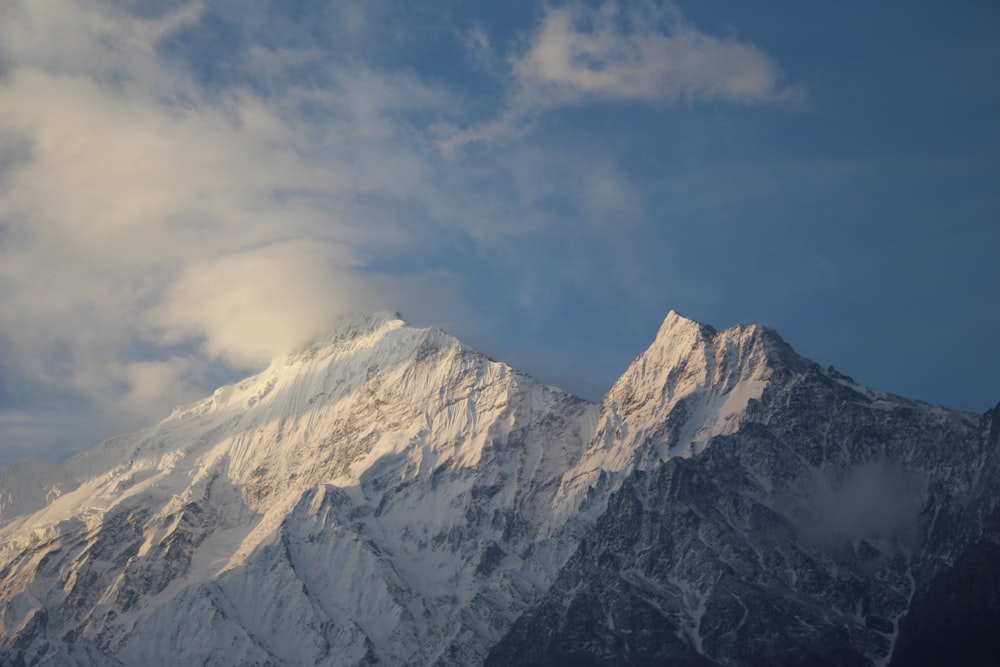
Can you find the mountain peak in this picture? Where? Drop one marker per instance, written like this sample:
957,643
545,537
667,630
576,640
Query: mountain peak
674,323
678,335
419,468
687,352
347,331
692,384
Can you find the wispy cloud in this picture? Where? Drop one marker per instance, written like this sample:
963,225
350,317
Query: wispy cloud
639,52
149,221
631,51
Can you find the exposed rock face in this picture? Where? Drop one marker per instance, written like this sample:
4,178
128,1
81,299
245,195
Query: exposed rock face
795,531
389,496
955,613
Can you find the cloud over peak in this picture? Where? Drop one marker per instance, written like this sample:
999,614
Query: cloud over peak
207,187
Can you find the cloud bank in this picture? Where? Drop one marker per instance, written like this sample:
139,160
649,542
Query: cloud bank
165,220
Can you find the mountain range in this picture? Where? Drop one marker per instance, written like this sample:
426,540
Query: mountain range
386,495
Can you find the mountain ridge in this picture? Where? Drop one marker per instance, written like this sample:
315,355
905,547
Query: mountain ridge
210,495
815,511
388,495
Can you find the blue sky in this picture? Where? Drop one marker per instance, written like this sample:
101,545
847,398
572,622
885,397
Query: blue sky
187,189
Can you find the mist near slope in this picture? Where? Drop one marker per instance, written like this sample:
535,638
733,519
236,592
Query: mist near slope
874,502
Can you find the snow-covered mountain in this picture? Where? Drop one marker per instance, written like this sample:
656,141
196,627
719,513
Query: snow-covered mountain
761,510
387,495
370,499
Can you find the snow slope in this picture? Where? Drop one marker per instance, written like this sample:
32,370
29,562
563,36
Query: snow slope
371,497
692,384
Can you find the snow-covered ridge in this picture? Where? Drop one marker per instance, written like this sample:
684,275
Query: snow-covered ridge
435,456
692,384
277,390
385,494
740,505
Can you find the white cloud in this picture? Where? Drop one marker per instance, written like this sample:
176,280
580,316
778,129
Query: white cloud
637,53
87,38
631,51
144,214
251,306
154,226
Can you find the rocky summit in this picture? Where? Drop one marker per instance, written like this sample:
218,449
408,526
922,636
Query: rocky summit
388,496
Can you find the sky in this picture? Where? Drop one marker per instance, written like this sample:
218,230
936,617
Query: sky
190,189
